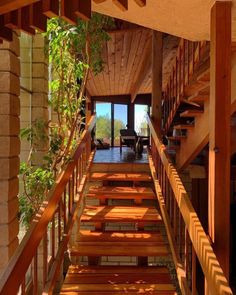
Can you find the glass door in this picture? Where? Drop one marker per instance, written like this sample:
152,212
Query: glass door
119,122
140,122
103,124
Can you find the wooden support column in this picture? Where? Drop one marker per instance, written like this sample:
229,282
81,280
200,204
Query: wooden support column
219,125
157,60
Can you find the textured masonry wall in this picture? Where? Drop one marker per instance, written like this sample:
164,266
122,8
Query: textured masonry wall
9,147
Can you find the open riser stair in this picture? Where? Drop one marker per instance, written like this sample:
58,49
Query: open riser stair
120,219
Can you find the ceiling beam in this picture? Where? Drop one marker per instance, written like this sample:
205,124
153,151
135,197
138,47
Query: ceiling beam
122,4
10,5
144,70
141,2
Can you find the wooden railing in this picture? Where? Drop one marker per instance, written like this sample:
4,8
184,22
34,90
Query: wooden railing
35,266
187,59
186,235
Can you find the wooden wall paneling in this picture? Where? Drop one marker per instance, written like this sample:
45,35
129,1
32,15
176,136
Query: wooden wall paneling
5,33
135,63
37,20
141,3
219,138
68,11
11,20
122,4
125,58
111,62
144,69
83,9
50,8
24,20
119,39
136,36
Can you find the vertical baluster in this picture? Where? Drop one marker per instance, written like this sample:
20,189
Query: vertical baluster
175,218
193,56
176,78
53,237
193,272
73,187
59,223
186,251
188,61
64,209
76,177
45,259
184,65
180,236
23,289
35,274
179,77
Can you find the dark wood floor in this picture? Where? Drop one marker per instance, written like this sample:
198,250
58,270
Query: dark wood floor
113,155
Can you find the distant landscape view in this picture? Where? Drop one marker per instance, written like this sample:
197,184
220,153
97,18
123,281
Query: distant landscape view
103,125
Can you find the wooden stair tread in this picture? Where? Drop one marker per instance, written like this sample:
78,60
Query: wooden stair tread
96,176
117,280
183,127
191,113
87,236
120,214
92,243
198,97
110,269
118,192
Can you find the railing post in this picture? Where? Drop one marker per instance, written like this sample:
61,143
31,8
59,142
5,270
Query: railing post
219,140
157,61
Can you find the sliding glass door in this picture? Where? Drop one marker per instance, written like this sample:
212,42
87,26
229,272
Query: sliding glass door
110,119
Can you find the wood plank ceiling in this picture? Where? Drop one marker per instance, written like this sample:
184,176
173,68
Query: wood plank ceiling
127,57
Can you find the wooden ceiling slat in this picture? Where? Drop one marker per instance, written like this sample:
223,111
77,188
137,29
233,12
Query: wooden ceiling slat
141,3
5,33
99,1
120,61
11,20
37,20
50,8
122,4
118,49
111,62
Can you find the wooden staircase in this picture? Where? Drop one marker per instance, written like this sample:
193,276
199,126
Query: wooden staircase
102,233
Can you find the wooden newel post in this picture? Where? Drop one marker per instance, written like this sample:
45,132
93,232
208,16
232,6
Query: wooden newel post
157,61
219,124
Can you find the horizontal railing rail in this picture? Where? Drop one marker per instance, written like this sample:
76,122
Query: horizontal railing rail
37,261
187,59
187,237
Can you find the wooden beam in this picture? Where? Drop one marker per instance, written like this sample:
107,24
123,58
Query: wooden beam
83,9
219,126
5,33
10,5
24,20
122,4
37,19
51,8
144,70
157,62
141,3
11,20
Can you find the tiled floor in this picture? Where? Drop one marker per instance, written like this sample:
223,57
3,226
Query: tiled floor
113,155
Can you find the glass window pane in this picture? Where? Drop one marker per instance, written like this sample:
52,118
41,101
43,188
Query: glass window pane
120,121
141,126
103,124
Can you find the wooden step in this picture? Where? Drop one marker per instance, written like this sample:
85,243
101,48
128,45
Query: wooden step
191,113
103,214
184,127
120,192
198,97
100,280
141,244
96,176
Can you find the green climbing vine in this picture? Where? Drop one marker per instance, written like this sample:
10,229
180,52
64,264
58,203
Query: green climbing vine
73,51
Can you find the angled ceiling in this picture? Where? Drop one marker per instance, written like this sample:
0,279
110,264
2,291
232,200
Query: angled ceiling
189,19
127,58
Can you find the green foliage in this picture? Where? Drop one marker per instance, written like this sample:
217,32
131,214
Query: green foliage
73,51
103,127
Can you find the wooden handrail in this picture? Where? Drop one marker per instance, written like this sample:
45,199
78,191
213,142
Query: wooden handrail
15,272
212,270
